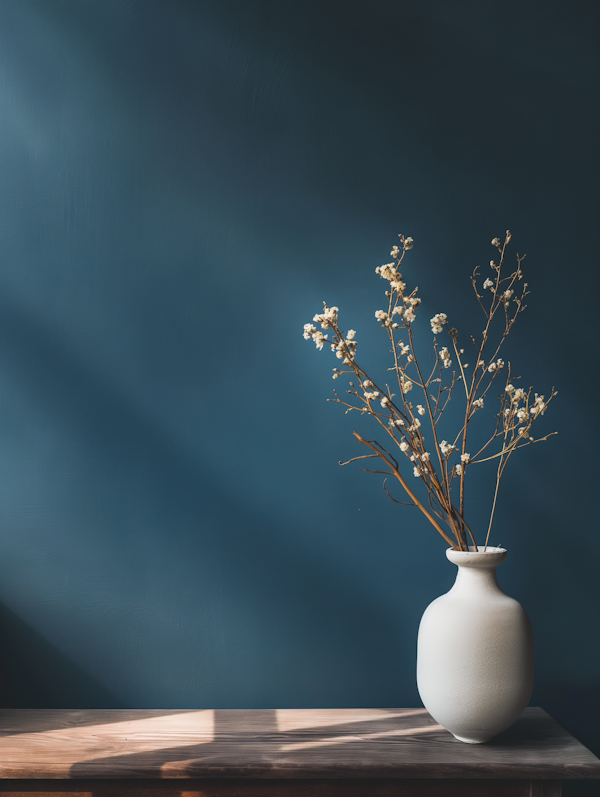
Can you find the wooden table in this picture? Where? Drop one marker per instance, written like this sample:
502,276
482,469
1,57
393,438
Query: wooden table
277,753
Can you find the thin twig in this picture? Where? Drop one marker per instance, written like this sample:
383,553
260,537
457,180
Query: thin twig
395,500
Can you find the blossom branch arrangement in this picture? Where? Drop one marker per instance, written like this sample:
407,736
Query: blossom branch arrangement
414,430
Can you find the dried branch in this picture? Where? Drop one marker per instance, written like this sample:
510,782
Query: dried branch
398,475
401,417
364,456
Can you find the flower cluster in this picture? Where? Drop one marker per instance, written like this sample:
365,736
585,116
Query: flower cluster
392,275
345,350
328,317
311,331
446,448
445,357
437,323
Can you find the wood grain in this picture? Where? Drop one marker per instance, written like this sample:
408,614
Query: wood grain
277,744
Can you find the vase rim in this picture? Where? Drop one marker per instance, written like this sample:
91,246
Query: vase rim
491,557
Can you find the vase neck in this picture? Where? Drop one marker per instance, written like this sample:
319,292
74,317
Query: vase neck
477,569
478,579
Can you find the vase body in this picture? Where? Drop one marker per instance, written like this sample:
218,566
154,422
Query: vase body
475,652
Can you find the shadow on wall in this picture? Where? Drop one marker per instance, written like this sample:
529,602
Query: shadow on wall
576,707
34,674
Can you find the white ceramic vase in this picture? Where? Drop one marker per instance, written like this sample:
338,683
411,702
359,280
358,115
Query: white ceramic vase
475,651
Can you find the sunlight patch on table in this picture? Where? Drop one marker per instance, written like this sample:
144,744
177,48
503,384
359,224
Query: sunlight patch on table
79,743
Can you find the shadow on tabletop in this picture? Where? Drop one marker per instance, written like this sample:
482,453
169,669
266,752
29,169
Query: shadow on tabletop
271,738
261,730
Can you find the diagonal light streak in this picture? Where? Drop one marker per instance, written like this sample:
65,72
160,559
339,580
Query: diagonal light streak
359,737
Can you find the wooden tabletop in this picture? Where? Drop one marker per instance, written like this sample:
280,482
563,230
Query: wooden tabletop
278,743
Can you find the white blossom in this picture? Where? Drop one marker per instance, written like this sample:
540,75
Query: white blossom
404,349
425,457
409,316
327,318
406,385
488,283
465,458
496,242
445,357
446,448
384,401
416,471
510,389
437,322
382,316
388,271
351,334
404,446
408,243
478,403
319,338
539,407
398,309
367,383
507,294
458,470
420,409
309,330
395,251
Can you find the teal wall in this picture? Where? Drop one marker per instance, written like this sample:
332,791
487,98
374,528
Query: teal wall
181,185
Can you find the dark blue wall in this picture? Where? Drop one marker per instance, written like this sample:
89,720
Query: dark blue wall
181,185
